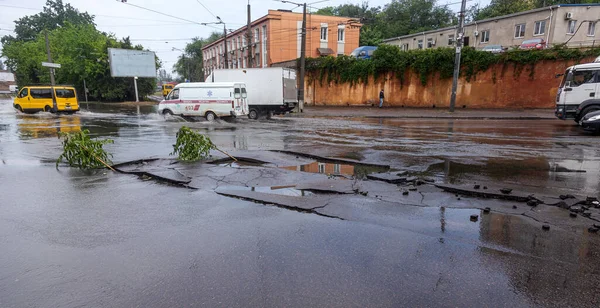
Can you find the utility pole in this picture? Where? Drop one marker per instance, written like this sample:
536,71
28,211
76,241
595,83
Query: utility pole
249,61
225,48
52,82
459,44
303,61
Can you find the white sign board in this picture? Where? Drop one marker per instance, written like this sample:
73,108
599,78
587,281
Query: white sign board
131,63
52,65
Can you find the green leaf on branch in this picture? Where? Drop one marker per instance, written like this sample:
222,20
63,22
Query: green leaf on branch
80,151
191,146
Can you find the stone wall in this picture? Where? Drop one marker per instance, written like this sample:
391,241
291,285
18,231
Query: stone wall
498,87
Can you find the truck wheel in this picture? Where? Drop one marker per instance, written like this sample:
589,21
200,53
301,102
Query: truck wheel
211,116
18,107
269,115
167,112
253,114
588,110
48,108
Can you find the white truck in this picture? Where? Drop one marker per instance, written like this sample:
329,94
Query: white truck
271,90
579,91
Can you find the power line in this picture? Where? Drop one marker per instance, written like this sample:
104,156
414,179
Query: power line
99,15
204,6
168,15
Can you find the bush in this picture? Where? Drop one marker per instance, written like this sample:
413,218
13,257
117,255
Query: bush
79,150
390,59
191,146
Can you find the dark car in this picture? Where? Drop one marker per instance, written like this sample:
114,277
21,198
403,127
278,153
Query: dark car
591,122
537,43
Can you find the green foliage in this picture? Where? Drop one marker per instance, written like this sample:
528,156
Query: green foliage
191,146
78,46
504,7
79,150
390,59
55,15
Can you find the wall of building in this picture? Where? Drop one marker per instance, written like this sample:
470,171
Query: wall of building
494,88
282,42
503,30
581,14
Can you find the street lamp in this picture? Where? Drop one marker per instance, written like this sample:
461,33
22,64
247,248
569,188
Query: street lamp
187,76
220,21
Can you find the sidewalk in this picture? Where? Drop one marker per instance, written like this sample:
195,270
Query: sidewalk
428,113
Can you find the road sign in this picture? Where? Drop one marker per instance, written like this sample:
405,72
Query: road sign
52,65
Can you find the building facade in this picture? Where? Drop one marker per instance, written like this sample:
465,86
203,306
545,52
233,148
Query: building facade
573,24
276,38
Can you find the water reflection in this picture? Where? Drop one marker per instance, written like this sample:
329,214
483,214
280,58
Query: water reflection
37,127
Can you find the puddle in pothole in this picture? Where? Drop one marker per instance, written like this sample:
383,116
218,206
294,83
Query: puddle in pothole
335,169
285,190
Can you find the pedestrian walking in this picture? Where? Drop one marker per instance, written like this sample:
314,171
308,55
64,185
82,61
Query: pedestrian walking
381,97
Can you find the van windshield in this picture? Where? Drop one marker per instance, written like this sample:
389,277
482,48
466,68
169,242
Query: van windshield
65,93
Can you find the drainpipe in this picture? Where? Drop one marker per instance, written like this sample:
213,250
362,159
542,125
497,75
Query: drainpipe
549,28
476,37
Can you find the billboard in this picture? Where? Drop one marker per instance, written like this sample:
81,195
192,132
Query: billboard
131,63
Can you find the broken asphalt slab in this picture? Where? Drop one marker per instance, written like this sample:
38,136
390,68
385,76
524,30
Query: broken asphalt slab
304,204
333,159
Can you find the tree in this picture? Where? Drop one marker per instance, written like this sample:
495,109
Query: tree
55,15
190,63
78,46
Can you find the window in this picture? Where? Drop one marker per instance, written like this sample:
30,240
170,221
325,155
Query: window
340,35
336,169
539,28
321,168
173,95
24,93
256,35
429,43
520,31
571,27
41,93
264,46
237,93
592,28
583,77
244,93
323,33
244,41
485,36
450,39
65,93
420,44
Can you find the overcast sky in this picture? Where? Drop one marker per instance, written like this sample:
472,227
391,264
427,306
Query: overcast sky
161,33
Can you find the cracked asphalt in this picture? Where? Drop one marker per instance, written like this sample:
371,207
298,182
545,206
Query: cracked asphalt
296,230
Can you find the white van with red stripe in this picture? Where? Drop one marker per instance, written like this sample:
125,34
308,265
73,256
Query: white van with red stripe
209,100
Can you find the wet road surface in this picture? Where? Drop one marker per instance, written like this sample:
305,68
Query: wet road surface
71,238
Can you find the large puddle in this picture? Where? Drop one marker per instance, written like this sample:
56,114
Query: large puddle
336,169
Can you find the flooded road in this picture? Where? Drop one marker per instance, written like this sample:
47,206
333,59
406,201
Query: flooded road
73,238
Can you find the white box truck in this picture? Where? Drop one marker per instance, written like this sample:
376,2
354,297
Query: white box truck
271,90
578,92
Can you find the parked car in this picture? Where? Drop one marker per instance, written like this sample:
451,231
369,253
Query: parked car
494,48
591,122
536,43
363,52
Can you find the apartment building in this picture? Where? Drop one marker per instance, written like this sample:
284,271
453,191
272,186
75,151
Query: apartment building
276,38
573,24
